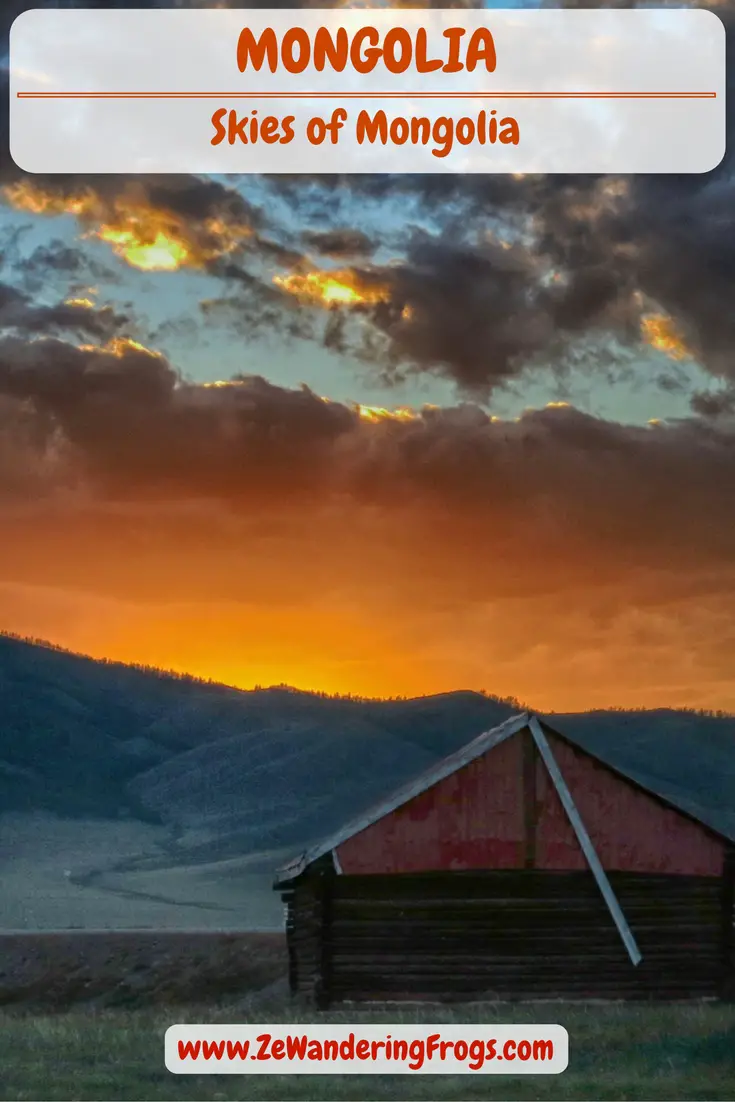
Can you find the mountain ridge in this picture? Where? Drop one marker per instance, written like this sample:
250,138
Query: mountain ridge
232,771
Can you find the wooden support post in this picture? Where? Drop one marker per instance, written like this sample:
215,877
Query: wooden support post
585,841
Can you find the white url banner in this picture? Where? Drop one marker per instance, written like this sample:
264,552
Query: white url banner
366,1049
367,90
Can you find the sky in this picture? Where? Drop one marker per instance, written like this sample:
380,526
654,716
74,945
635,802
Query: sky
380,435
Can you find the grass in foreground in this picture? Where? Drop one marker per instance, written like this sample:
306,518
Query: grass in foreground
617,1051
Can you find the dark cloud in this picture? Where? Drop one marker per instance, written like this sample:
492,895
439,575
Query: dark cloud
463,309
140,429
621,247
341,243
56,256
204,216
475,310
684,235
198,200
59,264
62,380
252,306
720,404
18,312
138,432
596,253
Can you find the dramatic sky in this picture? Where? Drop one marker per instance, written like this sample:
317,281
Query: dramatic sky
376,434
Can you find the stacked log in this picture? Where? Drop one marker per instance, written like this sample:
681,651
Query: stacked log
521,934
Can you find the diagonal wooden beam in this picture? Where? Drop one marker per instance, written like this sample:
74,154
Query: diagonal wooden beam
585,841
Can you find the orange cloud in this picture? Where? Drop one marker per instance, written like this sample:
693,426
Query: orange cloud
661,332
147,235
332,288
375,414
84,302
254,533
118,347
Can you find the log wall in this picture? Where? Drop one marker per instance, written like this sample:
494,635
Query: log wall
523,934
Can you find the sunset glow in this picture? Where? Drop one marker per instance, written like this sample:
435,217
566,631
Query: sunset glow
162,254
375,414
118,347
661,333
144,238
379,435
84,303
330,289
33,199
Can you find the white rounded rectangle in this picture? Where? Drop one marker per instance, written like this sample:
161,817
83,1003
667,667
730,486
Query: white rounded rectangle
323,1049
211,91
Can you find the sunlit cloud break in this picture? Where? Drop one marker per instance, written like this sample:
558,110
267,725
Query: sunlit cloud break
660,332
143,236
339,288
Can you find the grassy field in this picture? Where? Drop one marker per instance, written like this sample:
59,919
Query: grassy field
620,1052
110,969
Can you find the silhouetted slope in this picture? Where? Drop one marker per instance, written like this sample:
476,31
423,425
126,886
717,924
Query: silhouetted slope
441,724
237,771
276,783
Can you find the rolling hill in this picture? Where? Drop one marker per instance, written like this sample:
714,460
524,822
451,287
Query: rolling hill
231,772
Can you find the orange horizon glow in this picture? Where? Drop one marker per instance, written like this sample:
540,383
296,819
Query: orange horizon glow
403,681
389,582
405,635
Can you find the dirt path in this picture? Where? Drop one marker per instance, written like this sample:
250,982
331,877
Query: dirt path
96,879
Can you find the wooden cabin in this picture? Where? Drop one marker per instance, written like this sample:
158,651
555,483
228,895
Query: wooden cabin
520,867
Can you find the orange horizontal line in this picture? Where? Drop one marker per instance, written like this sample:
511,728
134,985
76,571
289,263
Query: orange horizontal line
366,95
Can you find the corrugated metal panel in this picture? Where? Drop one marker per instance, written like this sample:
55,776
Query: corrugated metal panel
472,819
631,831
